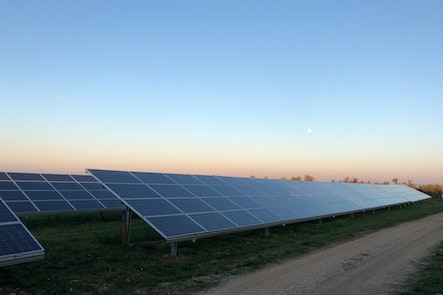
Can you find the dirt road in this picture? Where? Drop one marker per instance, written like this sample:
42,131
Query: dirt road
374,264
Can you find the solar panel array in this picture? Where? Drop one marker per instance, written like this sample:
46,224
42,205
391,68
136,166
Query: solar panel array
16,243
183,207
28,193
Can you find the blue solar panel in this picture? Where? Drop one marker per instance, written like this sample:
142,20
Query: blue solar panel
84,178
15,239
53,206
57,177
76,195
13,196
16,243
153,178
265,215
133,191
22,207
7,186
202,190
221,204
175,226
6,215
191,205
172,191
25,176
184,179
66,186
184,207
103,195
29,193
43,195
87,205
153,207
227,191
35,186
245,202
242,218
212,221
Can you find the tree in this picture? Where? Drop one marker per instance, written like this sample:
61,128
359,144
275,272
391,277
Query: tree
309,177
411,184
298,178
395,180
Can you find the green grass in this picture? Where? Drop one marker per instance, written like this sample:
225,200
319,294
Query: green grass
85,255
429,279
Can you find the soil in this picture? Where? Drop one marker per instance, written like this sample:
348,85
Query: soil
378,263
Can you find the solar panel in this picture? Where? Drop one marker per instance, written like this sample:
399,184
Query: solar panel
17,244
184,207
30,193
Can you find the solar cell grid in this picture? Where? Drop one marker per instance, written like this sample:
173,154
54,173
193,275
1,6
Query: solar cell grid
212,221
22,191
58,177
170,226
133,191
84,178
22,207
12,195
191,205
16,242
25,176
184,179
199,205
172,191
67,186
153,178
265,215
211,180
5,214
7,186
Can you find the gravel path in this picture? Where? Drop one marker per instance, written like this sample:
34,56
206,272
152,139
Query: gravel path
377,263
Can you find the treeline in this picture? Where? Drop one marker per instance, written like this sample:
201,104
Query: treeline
434,190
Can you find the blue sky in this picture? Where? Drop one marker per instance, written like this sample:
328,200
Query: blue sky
224,87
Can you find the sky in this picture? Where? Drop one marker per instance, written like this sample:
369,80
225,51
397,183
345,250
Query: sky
239,88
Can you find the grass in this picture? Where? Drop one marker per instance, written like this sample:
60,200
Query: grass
429,278
85,255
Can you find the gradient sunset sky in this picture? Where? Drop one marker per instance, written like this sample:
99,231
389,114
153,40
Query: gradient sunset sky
239,88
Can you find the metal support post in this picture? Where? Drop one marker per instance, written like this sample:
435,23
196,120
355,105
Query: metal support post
320,222
352,215
267,231
174,249
128,220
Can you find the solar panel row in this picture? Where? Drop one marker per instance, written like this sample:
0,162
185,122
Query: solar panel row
182,207
16,243
27,193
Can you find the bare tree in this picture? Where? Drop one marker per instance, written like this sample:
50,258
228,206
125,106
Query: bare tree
309,177
298,178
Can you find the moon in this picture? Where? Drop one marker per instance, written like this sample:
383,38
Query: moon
309,130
